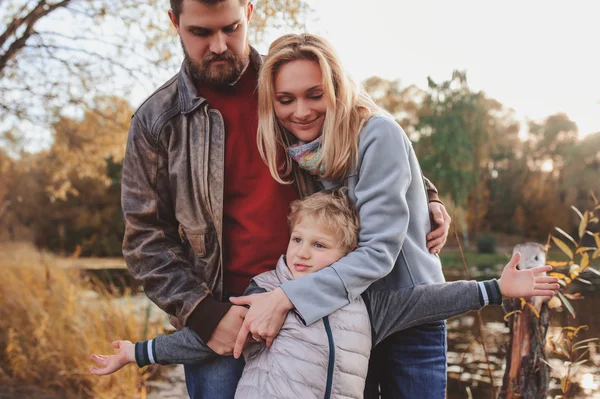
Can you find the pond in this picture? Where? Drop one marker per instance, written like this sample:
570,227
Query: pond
468,373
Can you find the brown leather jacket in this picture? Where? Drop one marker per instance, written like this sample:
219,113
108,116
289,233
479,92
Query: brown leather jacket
172,200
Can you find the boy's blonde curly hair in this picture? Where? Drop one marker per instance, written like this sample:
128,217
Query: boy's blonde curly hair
332,209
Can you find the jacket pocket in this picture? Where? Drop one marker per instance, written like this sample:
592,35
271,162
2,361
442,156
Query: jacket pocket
196,238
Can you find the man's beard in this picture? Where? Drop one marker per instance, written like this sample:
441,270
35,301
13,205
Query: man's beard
216,75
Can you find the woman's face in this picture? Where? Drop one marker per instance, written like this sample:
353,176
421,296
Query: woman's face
300,103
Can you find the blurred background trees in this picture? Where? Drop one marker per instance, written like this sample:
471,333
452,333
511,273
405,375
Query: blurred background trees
67,66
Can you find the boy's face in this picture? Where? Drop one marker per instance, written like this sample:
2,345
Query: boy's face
312,247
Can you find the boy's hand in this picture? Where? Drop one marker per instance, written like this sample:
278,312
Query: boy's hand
524,283
222,340
116,362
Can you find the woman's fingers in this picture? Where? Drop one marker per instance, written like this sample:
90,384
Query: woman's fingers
436,244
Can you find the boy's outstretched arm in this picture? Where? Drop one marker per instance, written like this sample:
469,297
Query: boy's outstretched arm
401,309
116,362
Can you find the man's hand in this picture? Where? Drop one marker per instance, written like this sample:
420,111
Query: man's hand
525,283
438,237
116,362
222,340
264,319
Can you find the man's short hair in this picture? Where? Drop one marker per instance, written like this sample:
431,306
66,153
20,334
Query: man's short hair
177,5
330,208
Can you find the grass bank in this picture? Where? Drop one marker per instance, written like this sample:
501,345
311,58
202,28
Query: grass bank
50,322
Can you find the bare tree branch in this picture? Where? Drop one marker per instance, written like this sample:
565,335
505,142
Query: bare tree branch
41,10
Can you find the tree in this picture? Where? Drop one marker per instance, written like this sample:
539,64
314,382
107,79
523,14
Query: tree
56,56
403,103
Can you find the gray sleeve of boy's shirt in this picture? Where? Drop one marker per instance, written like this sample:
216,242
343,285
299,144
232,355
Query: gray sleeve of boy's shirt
398,310
181,347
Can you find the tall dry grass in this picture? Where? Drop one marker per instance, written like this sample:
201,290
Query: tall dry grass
50,322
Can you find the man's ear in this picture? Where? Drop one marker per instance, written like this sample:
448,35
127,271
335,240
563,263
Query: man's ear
174,20
249,11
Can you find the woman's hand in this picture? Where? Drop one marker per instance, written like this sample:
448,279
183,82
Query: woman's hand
264,319
438,237
116,362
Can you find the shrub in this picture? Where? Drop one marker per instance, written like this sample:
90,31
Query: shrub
50,322
486,244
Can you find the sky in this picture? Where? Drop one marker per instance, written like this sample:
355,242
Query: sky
537,57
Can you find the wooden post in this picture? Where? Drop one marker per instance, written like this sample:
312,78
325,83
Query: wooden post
526,375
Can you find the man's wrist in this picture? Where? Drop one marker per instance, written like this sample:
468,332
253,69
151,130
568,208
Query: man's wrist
206,316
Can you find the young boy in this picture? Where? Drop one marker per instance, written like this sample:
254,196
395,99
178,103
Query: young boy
329,358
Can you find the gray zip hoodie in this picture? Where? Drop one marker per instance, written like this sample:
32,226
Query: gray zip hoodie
390,198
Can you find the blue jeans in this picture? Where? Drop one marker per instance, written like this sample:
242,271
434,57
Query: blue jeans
216,378
410,364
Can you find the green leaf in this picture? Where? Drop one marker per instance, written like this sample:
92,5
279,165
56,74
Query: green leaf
583,224
585,341
577,212
567,304
585,261
564,233
593,270
564,247
548,364
584,249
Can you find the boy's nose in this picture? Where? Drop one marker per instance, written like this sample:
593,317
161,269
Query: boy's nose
303,252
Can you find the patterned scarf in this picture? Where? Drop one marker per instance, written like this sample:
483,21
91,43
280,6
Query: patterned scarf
308,155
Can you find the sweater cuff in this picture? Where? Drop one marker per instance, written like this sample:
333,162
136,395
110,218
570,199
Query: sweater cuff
206,316
145,353
489,293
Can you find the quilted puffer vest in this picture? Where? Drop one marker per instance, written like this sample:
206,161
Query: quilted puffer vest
328,359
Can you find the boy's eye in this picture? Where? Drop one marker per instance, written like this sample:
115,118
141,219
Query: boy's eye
319,245
297,240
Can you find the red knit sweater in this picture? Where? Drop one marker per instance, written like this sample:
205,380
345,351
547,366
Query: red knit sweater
255,230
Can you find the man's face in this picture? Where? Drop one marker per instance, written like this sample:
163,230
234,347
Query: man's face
214,39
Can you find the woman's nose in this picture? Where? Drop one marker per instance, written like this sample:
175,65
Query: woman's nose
302,110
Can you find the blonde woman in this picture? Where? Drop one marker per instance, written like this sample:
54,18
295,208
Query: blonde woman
311,111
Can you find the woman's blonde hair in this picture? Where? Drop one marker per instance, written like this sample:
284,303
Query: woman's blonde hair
348,108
